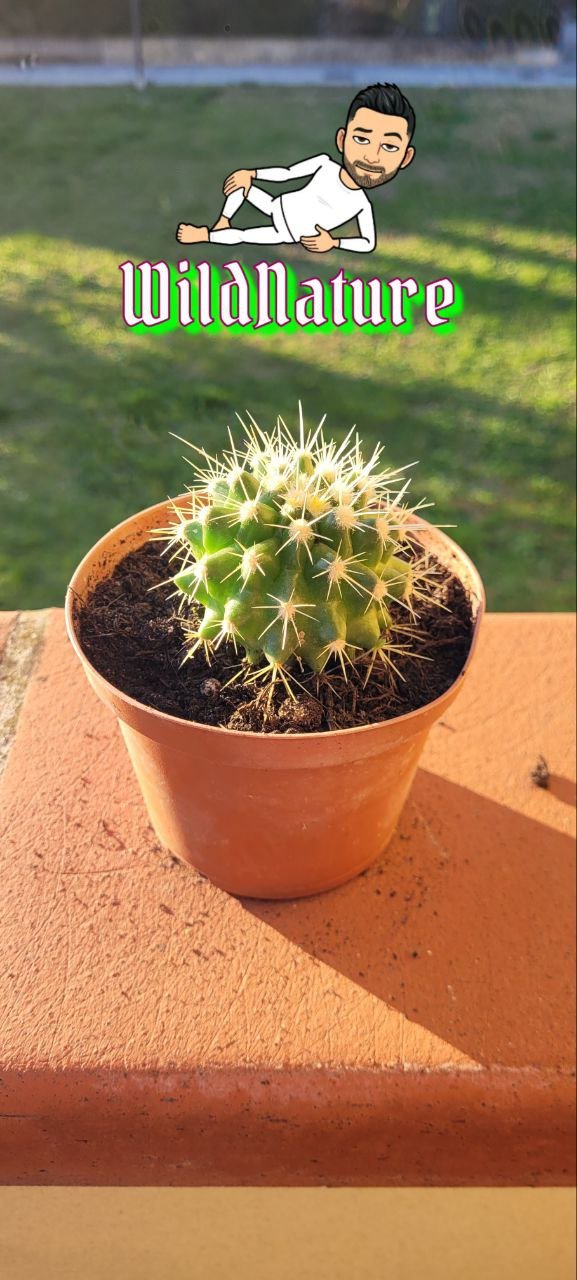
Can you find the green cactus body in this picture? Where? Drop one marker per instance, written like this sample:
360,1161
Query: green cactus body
291,546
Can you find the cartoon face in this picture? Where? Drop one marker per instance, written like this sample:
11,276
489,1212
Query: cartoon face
374,147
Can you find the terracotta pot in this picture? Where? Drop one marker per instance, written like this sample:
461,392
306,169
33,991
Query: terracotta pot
267,815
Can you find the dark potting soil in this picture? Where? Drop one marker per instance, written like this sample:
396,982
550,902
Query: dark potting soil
133,636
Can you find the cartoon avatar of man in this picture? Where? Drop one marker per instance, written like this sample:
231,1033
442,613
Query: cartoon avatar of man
374,145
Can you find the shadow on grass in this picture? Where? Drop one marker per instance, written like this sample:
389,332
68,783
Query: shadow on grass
465,925
515,254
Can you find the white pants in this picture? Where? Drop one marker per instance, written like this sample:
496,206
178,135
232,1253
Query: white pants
278,233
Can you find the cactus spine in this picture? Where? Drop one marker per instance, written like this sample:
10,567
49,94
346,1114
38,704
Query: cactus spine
291,547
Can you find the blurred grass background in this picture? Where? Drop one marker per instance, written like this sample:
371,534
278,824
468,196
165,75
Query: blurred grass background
91,177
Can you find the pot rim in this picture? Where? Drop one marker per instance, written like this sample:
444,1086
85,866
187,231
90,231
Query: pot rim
406,718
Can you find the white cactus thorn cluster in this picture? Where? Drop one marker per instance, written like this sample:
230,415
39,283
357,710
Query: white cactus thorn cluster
292,545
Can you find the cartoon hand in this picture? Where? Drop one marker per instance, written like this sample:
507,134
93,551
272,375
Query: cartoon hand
240,180
320,243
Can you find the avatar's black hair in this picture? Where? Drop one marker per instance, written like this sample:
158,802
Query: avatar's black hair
386,98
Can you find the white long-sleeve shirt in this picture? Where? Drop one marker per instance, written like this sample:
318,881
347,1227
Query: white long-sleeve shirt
325,201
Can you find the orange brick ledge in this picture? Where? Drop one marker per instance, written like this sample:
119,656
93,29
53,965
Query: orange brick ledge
412,1028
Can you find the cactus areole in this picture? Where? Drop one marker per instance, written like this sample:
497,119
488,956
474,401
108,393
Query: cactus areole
292,549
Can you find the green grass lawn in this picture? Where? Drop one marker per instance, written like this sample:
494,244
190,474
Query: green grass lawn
91,177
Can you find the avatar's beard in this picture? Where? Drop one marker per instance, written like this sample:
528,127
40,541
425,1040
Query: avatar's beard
367,179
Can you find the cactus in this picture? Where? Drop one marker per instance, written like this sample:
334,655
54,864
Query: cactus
292,546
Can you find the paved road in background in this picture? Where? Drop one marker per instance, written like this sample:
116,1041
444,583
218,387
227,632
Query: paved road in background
498,75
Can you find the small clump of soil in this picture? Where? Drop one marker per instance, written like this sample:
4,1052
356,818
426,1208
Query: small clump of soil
541,775
133,636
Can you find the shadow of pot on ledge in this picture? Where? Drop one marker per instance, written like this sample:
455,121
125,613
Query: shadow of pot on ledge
465,925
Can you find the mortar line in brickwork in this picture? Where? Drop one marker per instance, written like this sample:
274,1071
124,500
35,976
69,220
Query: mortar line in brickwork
17,662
